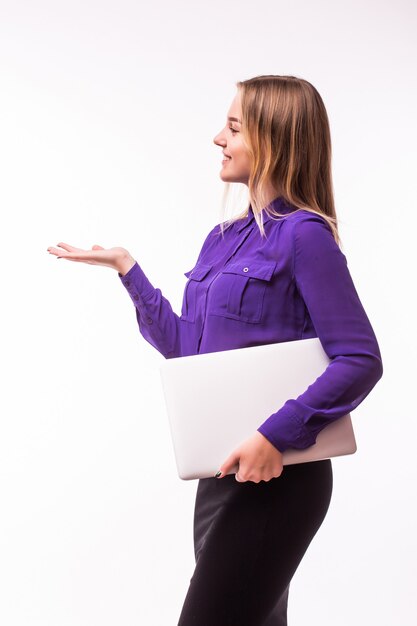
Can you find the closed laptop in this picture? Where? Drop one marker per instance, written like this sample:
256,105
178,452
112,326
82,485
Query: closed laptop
217,400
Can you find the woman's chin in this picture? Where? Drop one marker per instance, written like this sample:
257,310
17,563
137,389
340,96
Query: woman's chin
226,178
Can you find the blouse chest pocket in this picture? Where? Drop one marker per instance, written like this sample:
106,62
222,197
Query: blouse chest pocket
238,291
192,289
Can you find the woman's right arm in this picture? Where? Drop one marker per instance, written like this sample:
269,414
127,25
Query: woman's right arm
157,322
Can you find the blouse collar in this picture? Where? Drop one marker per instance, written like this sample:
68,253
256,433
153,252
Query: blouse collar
278,204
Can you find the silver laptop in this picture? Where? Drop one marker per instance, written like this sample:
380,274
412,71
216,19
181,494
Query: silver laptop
217,400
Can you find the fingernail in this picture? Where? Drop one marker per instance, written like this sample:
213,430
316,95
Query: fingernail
218,474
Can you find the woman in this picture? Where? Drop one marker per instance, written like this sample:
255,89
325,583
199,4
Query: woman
275,273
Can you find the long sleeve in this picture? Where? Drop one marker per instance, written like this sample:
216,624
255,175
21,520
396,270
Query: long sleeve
321,275
157,322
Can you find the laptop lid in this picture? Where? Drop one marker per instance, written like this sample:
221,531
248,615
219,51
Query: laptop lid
216,400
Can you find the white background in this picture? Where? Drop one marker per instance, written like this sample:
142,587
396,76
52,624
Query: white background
108,112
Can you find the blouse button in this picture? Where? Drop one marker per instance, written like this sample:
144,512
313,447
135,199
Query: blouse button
245,269
149,320
135,296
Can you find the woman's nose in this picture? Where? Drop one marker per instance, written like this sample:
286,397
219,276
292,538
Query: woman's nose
218,140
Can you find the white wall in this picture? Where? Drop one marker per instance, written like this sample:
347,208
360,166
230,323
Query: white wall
108,111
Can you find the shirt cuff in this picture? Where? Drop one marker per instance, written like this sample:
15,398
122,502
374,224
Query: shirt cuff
137,284
285,430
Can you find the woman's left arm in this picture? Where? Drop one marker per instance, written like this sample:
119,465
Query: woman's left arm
321,274
323,280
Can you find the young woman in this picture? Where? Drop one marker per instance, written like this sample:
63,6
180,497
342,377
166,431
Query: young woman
274,273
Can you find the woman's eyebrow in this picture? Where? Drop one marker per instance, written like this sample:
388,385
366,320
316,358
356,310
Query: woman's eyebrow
234,119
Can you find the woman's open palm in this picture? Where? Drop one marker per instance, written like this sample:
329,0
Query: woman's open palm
111,257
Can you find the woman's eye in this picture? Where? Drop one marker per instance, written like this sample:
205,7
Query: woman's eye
233,130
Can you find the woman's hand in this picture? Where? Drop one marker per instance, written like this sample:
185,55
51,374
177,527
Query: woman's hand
117,258
256,459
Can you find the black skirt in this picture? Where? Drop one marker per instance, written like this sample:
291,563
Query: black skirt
249,539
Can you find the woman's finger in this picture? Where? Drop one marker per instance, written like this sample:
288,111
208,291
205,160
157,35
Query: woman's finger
69,248
63,254
83,256
79,253
230,464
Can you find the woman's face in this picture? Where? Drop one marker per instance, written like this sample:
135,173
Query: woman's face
236,163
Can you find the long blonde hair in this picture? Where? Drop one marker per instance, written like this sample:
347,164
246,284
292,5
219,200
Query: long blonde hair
286,130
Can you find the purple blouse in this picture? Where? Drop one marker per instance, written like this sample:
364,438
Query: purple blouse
245,290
